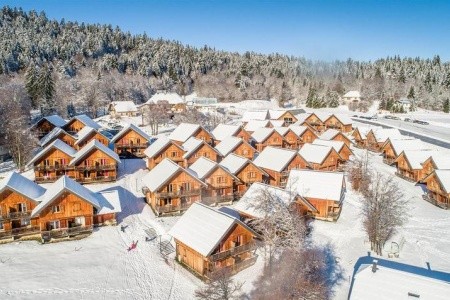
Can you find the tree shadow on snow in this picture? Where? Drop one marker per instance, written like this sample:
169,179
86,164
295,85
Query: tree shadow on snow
334,271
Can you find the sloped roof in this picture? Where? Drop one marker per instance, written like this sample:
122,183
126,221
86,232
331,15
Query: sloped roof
49,137
65,184
364,130
109,201
275,159
444,178
345,119
317,184
283,130
254,115
131,127
172,98
124,106
275,114
382,134
301,118
223,131
323,116
228,144
406,144
56,144
53,119
313,153
441,160
202,167
84,134
261,134
337,145
157,146
192,144
22,185
415,158
86,121
352,94
329,134
234,163
276,123
202,228
94,144
253,125
297,129
184,131
248,204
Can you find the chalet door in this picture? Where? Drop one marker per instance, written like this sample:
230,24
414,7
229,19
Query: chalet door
21,207
53,225
15,224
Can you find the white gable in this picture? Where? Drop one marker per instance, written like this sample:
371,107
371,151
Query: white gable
337,145
223,131
228,144
275,159
202,167
183,132
261,134
160,174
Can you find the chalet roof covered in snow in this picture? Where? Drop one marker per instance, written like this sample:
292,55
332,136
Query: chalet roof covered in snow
228,144
314,153
160,174
329,134
344,119
382,134
261,134
56,144
317,184
51,135
87,121
184,131
157,146
53,119
298,129
275,114
275,159
203,166
253,125
323,116
248,204
235,163
172,98
441,160
124,106
22,185
282,130
94,144
352,94
407,144
131,127
61,185
276,123
192,144
202,228
337,145
415,158
364,130
109,202
84,133
255,115
301,118
223,131
398,281
444,178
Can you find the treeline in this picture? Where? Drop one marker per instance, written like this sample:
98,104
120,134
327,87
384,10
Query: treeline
92,64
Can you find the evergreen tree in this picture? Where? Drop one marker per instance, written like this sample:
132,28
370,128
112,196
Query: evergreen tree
382,104
411,93
31,85
47,89
401,76
446,82
447,105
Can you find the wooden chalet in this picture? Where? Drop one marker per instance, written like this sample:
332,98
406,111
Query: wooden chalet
339,122
74,125
209,240
195,148
169,188
283,115
122,109
46,124
131,142
393,147
344,151
223,131
95,163
290,138
186,130
58,134
237,146
323,190
360,136
277,162
438,186
438,161
245,170
409,164
377,137
335,135
52,162
316,121
264,137
64,210
88,134
305,134
322,158
164,148
254,125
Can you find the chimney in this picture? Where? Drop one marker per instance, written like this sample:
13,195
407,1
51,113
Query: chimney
374,265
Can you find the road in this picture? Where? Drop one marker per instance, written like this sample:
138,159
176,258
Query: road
436,135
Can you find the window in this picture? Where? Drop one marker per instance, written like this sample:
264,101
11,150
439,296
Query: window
76,206
251,174
46,162
22,207
221,179
186,186
56,208
25,222
171,187
245,152
79,221
52,225
173,154
103,161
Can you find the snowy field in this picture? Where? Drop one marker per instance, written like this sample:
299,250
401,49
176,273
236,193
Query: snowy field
100,267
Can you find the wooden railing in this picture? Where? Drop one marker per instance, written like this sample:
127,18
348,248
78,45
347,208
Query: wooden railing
53,167
403,176
388,160
179,193
429,197
46,179
66,232
25,230
128,145
15,215
233,269
233,251
217,199
96,179
172,208
96,167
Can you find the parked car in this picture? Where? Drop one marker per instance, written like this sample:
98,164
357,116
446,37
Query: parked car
421,122
391,117
408,120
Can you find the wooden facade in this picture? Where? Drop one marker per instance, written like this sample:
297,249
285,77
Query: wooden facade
204,150
43,127
308,136
274,139
243,134
291,140
176,195
93,135
131,144
405,170
172,151
341,137
234,253
52,165
372,143
437,193
95,166
245,150
288,118
360,140
74,126
220,187
334,123
326,209
315,122
330,163
15,212
200,134
345,153
247,176
279,178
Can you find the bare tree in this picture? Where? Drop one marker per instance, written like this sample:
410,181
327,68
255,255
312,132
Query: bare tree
155,115
384,209
220,287
359,172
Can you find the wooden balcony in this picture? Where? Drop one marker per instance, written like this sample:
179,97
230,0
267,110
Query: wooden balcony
19,232
131,146
96,179
46,179
388,160
96,167
66,232
233,269
403,176
233,251
15,215
430,197
53,168
179,193
214,200
167,209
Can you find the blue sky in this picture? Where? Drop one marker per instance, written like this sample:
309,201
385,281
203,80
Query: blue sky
315,29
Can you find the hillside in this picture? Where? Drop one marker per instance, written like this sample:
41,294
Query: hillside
92,64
